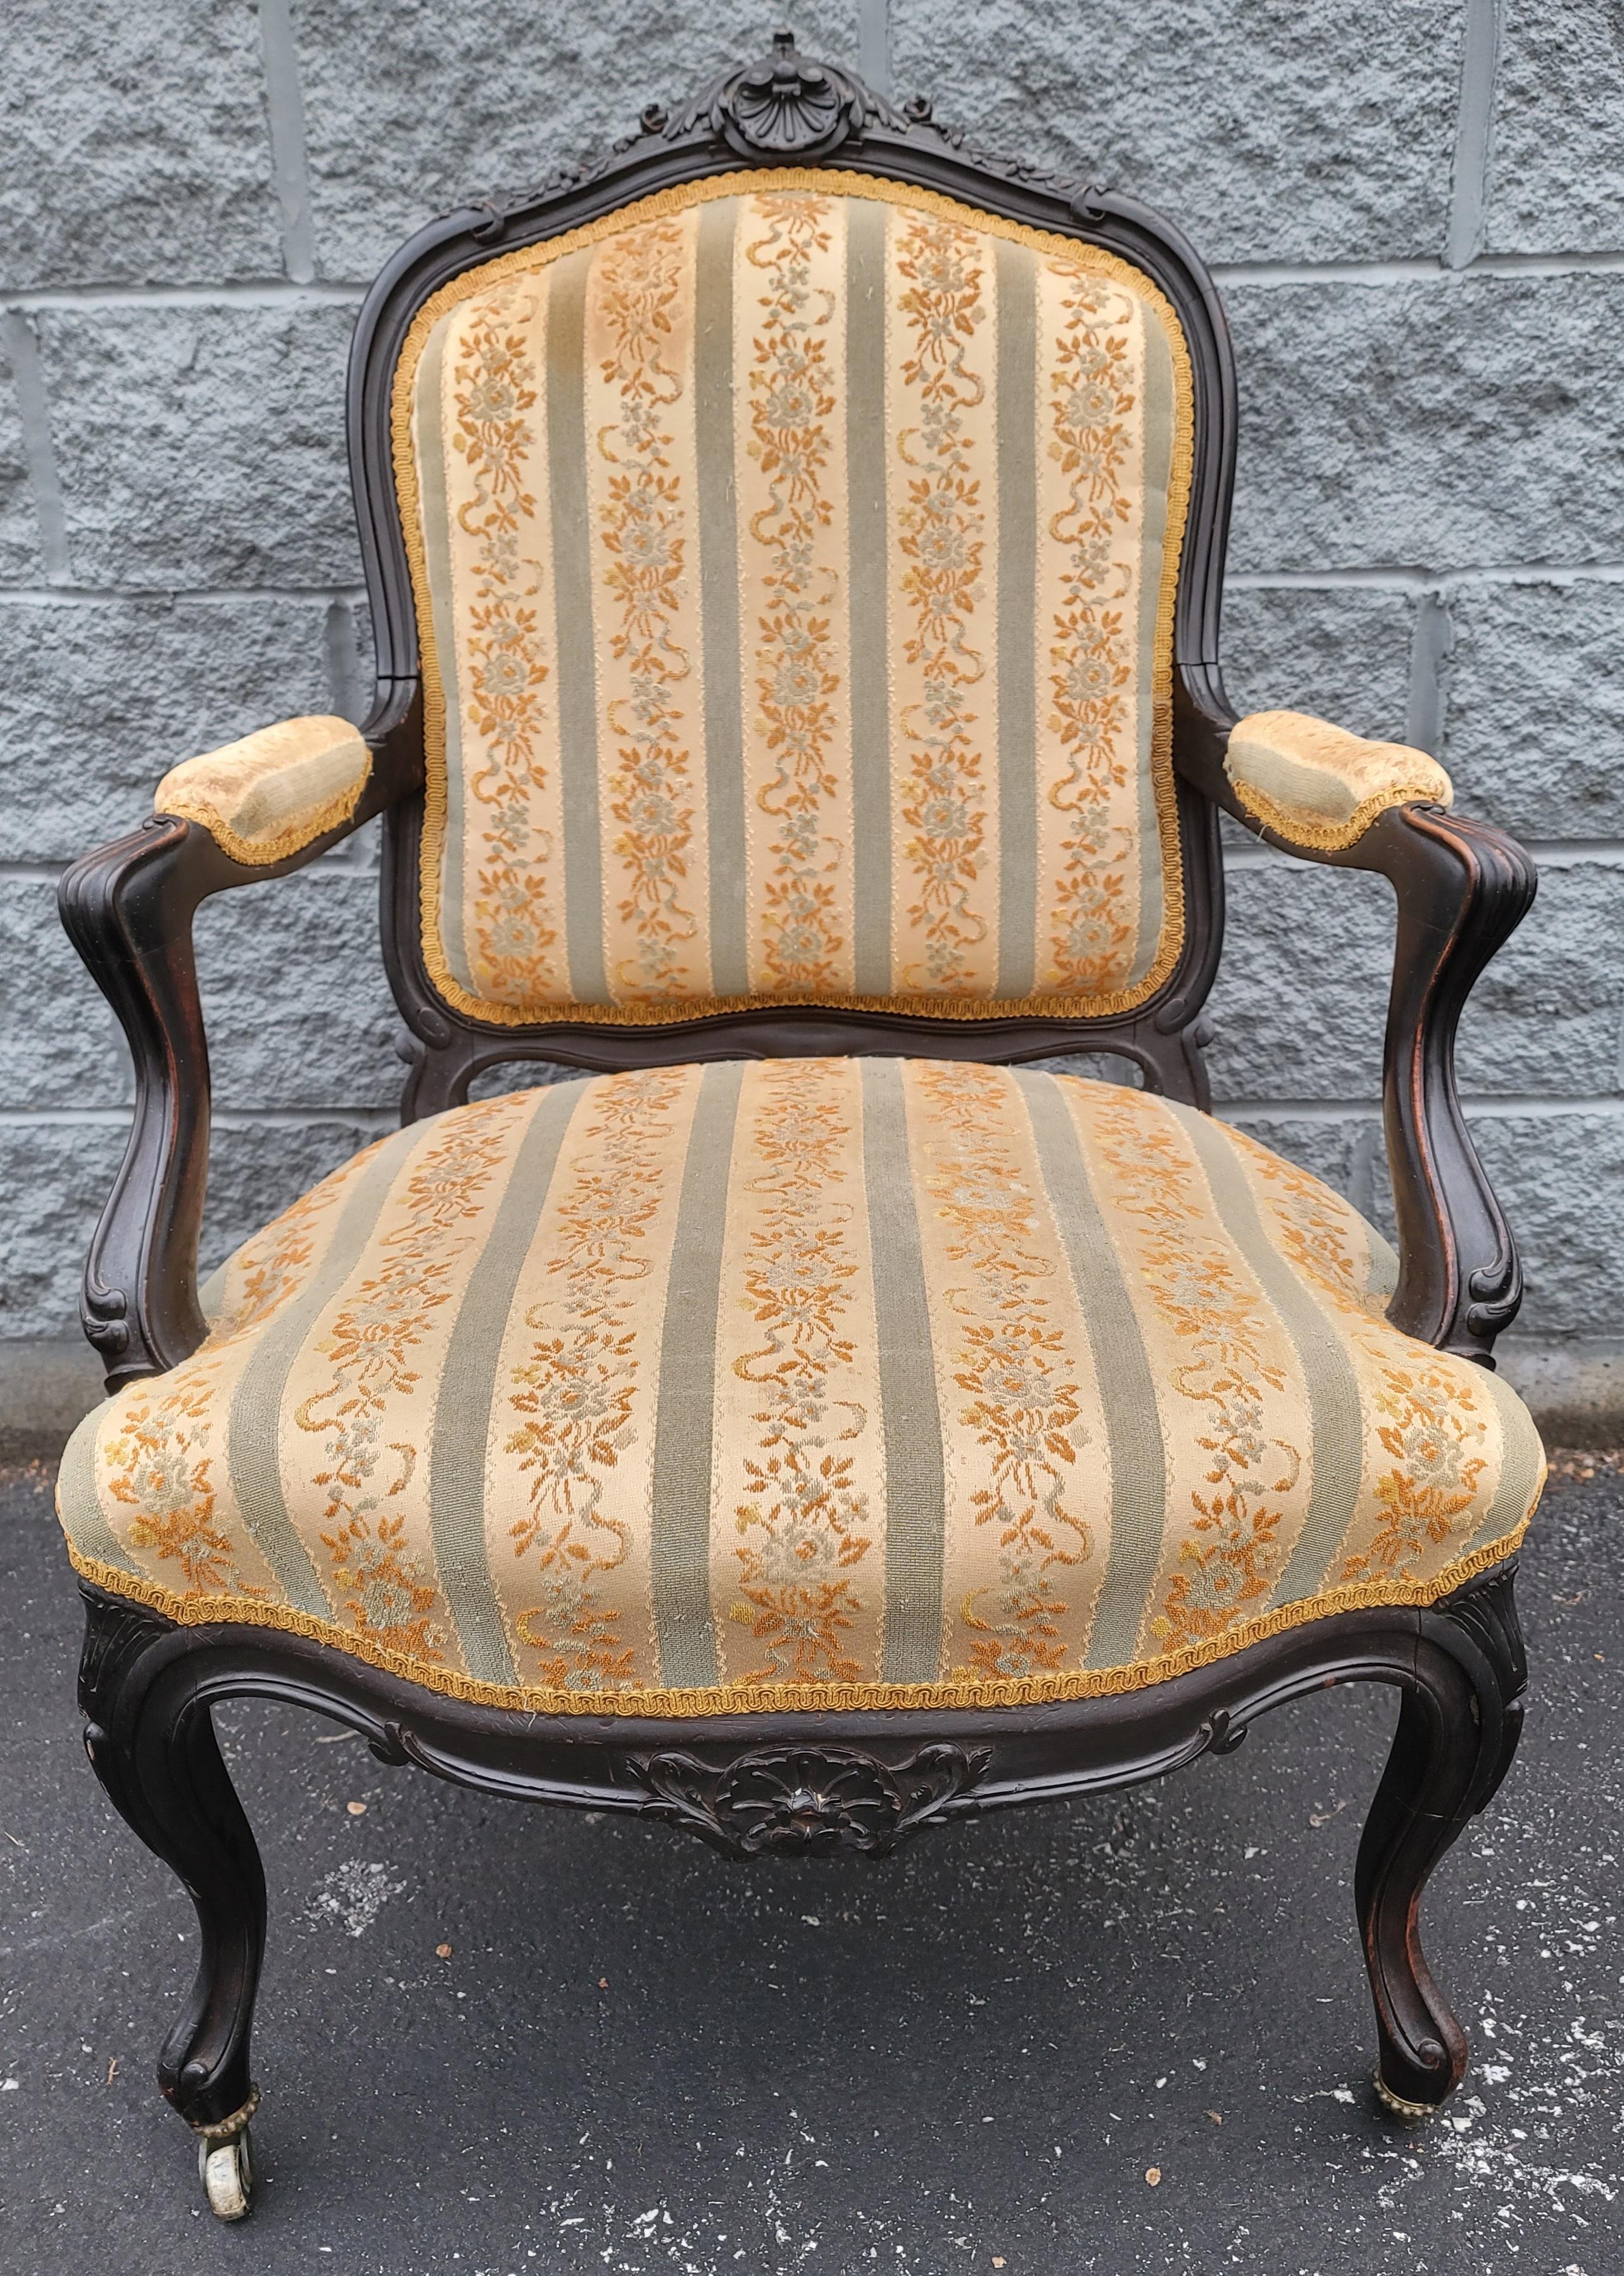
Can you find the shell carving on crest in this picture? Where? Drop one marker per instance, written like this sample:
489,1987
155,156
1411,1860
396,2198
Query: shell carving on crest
787,106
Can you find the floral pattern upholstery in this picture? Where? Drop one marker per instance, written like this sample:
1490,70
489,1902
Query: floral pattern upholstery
794,557
803,1382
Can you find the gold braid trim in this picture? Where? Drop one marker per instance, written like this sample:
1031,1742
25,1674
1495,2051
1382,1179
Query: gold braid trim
1328,836
227,2129
217,790
1411,2112
797,1698
258,853
840,182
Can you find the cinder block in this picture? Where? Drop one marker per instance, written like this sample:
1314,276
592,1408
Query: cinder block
1270,130
98,698
1554,184
59,1174
1301,1001
20,559
298,1009
1442,425
60,1044
411,110
1534,725
66,1170
1545,1018
1342,653
1561,1180
202,446
135,146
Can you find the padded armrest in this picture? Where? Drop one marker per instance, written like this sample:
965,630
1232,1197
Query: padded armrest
259,808
273,792
1319,785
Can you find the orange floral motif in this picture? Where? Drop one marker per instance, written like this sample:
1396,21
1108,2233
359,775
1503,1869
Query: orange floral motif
1432,1425
1092,660
496,389
576,1388
1231,1557
160,1463
800,1530
639,278
1013,1361
1428,1421
387,1588
942,533
1321,1233
792,399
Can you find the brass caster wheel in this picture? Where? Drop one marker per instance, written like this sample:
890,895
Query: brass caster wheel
1411,2113
226,2170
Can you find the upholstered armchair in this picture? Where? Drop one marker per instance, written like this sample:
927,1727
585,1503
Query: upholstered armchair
795,548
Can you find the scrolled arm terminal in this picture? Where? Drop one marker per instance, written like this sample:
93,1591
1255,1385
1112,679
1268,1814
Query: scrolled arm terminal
1319,786
274,792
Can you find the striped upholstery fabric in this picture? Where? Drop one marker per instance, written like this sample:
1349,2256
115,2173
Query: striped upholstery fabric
795,557
802,1383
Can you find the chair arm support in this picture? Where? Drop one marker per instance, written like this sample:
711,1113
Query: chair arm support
128,910
1462,888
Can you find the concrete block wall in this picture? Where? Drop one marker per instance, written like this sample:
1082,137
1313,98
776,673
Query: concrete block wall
1416,216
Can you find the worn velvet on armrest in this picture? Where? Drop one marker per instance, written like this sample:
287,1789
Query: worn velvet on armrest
265,797
1319,785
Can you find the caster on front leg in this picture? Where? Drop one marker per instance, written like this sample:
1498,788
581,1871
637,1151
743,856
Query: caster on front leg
226,2170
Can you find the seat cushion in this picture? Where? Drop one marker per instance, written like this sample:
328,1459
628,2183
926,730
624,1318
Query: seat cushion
810,1383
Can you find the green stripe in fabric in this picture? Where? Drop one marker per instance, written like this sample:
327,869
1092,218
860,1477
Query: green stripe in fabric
1158,427
82,1519
1518,1467
1336,1425
1017,573
467,1386
1126,1386
916,1487
868,586
572,576
252,1430
1381,1273
718,584
436,512
685,1417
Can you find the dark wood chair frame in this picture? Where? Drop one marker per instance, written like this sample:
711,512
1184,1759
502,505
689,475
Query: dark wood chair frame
796,1782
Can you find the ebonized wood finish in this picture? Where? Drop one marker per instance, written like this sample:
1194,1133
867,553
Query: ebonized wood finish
750,1783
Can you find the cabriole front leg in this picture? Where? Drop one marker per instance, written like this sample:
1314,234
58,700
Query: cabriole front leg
1458,1731
152,1743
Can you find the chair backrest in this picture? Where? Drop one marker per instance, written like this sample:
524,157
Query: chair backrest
794,554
